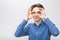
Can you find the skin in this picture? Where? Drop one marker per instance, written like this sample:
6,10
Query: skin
37,14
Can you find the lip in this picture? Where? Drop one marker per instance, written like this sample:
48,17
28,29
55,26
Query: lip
35,18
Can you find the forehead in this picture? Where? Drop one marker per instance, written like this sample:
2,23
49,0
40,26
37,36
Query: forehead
37,9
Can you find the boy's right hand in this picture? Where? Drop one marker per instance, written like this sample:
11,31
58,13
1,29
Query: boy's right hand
28,15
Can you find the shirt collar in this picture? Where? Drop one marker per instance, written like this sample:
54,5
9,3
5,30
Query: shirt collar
39,24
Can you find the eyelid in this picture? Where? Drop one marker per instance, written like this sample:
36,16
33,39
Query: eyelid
39,12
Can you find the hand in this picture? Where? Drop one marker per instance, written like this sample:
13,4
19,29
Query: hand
29,15
43,15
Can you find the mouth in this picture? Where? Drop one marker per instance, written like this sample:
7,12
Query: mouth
36,18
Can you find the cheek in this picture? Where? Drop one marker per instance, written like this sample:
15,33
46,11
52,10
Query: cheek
39,15
32,15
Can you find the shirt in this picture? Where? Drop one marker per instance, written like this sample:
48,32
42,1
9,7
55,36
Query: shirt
43,31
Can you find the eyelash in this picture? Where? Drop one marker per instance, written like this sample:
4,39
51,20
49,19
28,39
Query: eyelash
37,12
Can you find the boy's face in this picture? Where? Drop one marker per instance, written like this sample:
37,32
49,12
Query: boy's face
36,13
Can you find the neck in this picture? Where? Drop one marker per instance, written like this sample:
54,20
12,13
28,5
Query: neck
38,22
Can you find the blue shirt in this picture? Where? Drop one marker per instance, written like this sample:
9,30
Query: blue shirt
43,31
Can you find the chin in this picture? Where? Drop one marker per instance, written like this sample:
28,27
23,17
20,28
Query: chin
36,20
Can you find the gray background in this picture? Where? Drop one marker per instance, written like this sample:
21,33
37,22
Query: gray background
12,12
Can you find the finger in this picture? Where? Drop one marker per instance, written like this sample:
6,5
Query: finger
30,16
29,11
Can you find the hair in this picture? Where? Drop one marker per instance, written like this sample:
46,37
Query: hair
37,5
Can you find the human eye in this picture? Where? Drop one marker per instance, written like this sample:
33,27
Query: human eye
33,12
39,12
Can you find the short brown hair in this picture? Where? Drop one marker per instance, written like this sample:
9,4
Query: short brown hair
36,5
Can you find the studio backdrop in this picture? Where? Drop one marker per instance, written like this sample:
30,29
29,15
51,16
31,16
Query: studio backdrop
12,12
